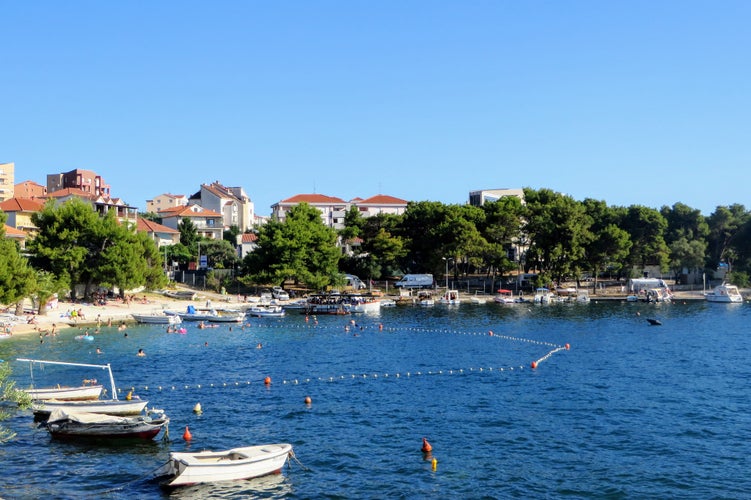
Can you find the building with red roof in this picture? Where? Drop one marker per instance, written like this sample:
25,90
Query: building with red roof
334,209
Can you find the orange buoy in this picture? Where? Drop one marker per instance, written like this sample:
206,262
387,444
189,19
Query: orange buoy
568,347
187,435
267,381
534,365
308,400
426,447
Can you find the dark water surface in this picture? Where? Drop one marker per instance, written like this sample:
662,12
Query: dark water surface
630,411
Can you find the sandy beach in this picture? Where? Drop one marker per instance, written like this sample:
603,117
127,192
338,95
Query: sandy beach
113,312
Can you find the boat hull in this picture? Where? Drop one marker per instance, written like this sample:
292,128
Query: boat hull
184,469
82,393
88,426
157,319
105,406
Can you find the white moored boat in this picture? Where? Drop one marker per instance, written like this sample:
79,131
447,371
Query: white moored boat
230,465
724,293
266,311
80,393
159,318
451,297
114,406
105,406
362,304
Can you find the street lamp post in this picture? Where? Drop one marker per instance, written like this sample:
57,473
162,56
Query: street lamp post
446,259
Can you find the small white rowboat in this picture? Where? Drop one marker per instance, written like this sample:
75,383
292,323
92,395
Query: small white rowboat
212,466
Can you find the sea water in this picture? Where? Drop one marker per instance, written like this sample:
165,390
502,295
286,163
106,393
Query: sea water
628,411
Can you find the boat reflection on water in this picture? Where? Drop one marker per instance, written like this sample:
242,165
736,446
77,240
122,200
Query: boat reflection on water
270,486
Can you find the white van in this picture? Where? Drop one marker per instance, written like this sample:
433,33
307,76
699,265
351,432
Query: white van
354,282
415,281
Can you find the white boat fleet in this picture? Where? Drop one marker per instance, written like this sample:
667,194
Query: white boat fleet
76,413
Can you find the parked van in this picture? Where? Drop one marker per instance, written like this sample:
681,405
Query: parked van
354,282
415,281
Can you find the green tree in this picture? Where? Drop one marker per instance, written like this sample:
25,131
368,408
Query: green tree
80,247
725,224
646,227
8,392
301,248
47,285
558,230
608,244
188,235
231,234
502,230
220,254
17,278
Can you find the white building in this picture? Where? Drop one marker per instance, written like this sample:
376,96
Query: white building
480,197
333,209
165,201
232,202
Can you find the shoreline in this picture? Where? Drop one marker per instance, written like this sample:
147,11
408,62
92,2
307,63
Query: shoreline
118,312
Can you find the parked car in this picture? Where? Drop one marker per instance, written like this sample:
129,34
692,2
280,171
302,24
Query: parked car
279,294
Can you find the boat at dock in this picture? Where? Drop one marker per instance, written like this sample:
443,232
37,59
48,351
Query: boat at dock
451,297
724,293
266,311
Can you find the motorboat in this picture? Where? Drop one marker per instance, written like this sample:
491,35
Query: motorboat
43,408
504,296
266,311
193,314
63,424
228,316
451,297
158,318
724,293
362,303
543,296
186,468
388,303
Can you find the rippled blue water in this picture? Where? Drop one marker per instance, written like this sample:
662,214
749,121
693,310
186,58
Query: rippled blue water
630,411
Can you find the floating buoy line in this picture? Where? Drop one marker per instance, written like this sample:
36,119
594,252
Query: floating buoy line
371,376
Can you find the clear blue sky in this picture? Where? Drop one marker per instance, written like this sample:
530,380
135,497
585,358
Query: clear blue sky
638,102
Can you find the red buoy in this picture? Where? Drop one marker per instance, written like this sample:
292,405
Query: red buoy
568,347
534,365
267,381
426,447
187,435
